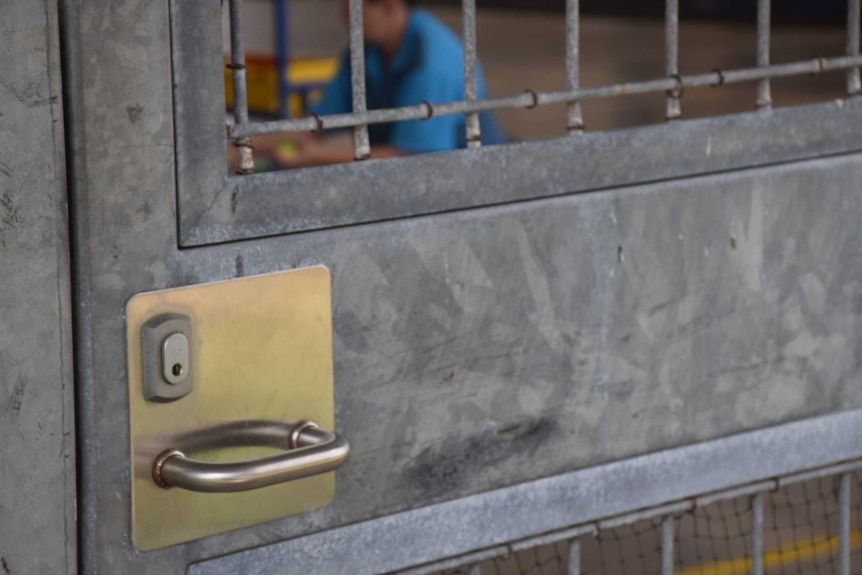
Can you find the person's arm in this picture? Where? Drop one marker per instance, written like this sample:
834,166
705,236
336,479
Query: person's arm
267,145
316,152
336,100
408,137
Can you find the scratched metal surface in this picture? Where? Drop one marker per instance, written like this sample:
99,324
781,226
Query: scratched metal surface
37,465
477,349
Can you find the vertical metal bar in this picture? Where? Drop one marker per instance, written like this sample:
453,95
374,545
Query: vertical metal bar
667,537
574,557
575,123
361,144
757,534
671,55
468,17
282,59
854,85
764,19
240,98
844,525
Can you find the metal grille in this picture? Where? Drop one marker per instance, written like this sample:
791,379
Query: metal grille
804,523
673,84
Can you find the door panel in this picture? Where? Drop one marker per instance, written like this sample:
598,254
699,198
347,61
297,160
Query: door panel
477,349
37,477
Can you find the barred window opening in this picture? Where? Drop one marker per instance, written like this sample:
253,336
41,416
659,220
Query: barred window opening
548,74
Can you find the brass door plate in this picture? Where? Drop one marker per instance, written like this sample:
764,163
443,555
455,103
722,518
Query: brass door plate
261,348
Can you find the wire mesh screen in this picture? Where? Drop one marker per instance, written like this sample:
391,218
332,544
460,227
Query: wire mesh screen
808,527
714,535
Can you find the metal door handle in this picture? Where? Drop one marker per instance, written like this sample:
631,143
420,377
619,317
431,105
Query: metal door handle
309,451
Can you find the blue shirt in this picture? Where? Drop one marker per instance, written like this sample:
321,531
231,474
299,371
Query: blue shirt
429,66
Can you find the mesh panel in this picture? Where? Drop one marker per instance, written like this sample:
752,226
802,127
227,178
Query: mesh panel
634,548
712,535
800,537
801,519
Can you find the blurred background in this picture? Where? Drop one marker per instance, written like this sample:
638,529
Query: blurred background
521,45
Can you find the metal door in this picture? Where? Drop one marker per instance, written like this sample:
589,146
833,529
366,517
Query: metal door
529,340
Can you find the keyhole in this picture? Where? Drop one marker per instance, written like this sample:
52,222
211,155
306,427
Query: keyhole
177,369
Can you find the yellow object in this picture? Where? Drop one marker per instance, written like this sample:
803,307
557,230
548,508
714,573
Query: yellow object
286,148
312,71
261,349
305,76
797,552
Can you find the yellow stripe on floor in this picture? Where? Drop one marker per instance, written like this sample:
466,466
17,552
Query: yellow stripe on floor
798,552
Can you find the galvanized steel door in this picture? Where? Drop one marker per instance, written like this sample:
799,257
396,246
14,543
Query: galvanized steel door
496,328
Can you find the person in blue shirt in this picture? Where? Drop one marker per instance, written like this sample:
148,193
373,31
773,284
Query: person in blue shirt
410,57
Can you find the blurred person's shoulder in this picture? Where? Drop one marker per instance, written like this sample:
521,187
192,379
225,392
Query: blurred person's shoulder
438,42
439,52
